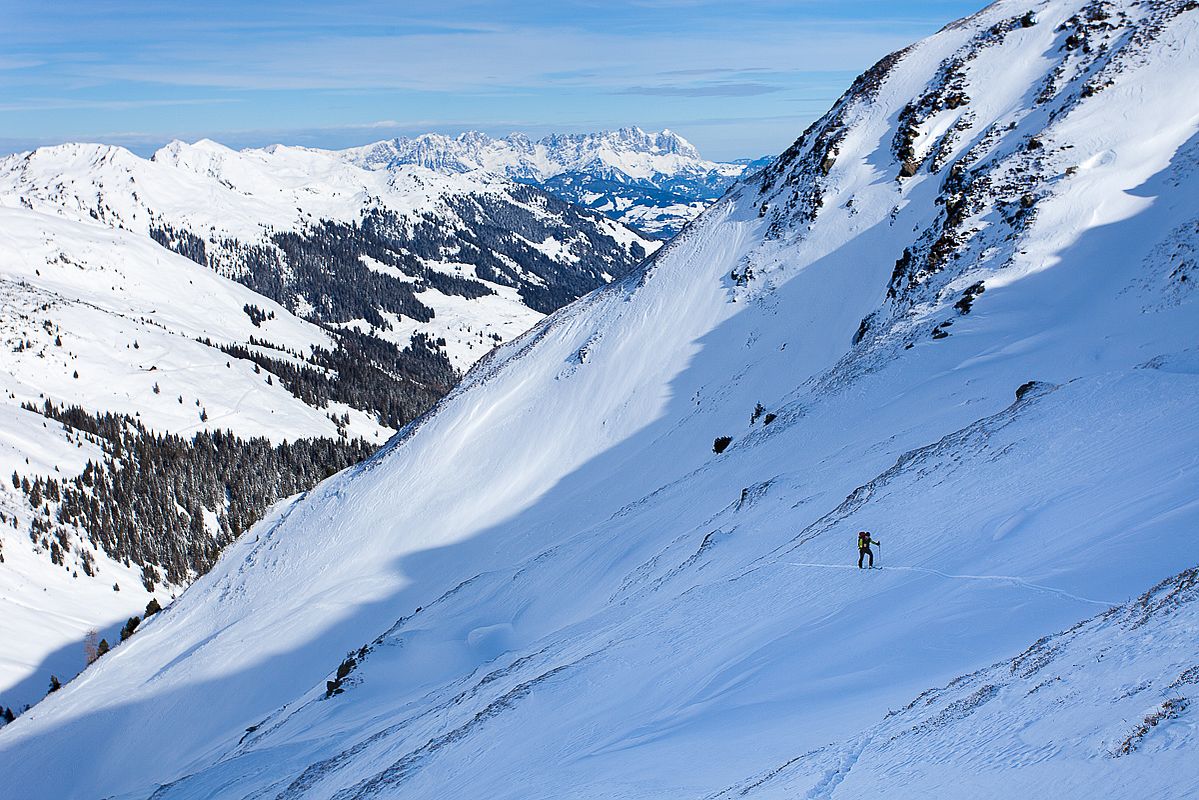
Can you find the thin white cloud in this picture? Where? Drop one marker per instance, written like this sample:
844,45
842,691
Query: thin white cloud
704,90
60,104
505,59
10,63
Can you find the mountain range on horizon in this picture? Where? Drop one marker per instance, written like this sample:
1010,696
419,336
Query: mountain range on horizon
655,182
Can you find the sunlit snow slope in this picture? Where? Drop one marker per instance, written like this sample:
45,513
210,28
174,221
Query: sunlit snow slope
964,297
97,311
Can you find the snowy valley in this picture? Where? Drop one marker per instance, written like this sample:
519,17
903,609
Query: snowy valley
290,310
618,559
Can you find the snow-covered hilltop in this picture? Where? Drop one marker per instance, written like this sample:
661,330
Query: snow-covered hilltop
958,313
654,182
283,295
407,242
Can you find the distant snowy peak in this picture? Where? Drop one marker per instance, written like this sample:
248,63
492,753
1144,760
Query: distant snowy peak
655,182
235,193
633,151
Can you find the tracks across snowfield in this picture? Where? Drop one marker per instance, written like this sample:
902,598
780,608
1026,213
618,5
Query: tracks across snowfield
1012,579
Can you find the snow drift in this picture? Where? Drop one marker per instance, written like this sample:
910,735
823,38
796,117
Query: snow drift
963,302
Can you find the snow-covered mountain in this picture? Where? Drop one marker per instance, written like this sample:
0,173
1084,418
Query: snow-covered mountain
654,182
406,243
618,560
363,296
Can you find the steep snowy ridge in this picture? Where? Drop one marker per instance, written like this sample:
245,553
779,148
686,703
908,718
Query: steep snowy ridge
957,313
654,182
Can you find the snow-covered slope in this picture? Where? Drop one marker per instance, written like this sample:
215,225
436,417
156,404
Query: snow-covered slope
414,276
964,302
654,182
77,297
415,242
1097,700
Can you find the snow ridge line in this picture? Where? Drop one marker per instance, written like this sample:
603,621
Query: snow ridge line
1003,578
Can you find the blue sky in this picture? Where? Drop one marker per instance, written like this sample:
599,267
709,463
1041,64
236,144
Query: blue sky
736,78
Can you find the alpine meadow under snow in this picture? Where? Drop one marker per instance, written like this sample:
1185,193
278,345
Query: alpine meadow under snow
959,313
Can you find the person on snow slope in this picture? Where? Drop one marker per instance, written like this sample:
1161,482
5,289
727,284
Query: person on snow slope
864,542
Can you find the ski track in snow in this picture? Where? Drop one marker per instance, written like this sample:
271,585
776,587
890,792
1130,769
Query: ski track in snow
1001,578
835,777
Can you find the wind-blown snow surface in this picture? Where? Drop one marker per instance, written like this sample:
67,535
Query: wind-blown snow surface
654,182
552,587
